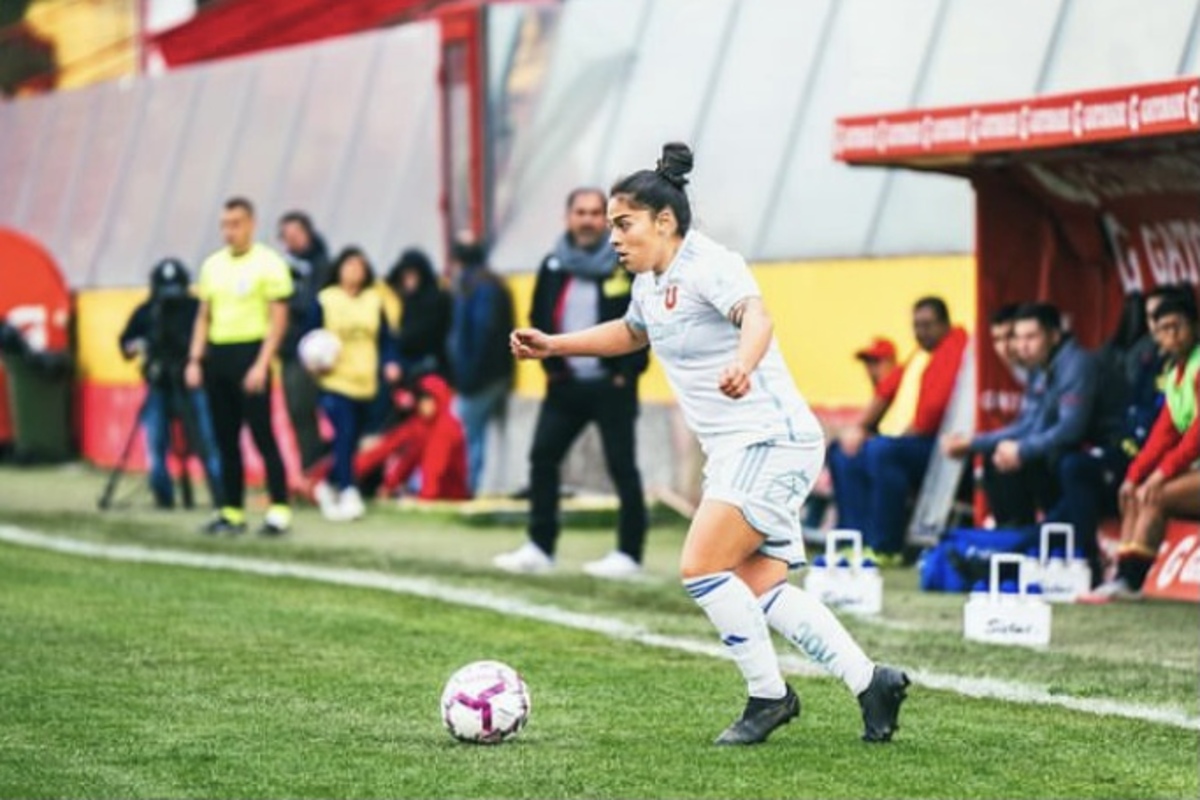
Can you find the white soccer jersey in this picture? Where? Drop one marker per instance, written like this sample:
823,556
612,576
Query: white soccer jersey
685,312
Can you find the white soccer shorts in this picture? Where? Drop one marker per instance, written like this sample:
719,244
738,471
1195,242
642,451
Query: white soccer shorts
769,482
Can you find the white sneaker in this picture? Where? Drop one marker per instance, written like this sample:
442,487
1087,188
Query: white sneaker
350,504
614,566
325,497
1117,589
528,558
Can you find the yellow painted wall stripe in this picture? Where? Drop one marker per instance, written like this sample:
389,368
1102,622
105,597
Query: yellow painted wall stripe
823,312
101,315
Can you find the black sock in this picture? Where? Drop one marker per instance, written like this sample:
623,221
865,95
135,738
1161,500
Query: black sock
1134,568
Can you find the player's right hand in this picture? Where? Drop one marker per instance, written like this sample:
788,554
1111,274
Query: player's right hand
529,343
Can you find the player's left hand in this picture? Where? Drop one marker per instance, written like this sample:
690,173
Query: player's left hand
392,373
735,381
256,379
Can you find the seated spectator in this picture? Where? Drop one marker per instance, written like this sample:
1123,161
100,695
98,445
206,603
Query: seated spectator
353,310
431,444
1004,343
427,441
1163,480
879,360
877,463
425,317
1131,365
1055,457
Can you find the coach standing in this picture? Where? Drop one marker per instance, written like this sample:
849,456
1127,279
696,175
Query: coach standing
580,285
244,288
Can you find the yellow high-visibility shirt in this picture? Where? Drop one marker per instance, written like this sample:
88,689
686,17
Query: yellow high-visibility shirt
239,291
356,321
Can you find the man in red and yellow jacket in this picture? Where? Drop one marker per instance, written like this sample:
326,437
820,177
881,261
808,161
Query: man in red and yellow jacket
878,462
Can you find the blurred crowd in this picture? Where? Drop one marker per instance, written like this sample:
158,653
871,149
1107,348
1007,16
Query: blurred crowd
421,366
390,383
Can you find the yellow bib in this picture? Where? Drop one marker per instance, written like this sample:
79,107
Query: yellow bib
355,321
900,413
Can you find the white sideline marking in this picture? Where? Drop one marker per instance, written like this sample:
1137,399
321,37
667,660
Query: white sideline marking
1008,691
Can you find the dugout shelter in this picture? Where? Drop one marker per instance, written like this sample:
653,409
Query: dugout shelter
1080,199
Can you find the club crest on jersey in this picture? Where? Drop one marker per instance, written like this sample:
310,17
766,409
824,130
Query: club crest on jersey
671,297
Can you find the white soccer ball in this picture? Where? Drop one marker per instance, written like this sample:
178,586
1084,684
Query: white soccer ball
319,350
485,702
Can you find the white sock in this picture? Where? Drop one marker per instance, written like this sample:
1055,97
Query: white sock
813,628
731,608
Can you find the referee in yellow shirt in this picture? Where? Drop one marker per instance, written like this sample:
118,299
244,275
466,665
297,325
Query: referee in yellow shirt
244,288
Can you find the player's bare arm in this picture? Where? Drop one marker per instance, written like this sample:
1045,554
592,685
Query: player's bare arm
750,316
610,339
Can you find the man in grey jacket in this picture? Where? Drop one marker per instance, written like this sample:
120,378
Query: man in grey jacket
1056,455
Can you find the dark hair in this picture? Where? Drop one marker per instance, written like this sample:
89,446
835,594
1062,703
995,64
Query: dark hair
469,253
1045,314
301,219
663,186
1004,315
1132,325
1165,290
240,202
1182,292
935,304
335,272
1176,305
416,260
584,191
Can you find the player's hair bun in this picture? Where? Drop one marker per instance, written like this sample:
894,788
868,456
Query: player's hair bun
675,163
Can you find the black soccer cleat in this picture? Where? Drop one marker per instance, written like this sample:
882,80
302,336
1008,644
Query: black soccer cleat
761,717
880,704
220,524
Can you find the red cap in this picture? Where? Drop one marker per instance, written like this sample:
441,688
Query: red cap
879,349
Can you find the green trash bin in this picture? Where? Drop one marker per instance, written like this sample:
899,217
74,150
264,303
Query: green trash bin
39,398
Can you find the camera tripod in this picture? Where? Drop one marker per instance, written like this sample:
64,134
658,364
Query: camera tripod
179,409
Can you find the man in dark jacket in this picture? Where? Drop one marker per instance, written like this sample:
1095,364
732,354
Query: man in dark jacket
480,361
425,317
579,285
307,256
1062,453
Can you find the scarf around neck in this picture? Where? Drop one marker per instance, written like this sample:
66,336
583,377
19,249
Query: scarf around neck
599,262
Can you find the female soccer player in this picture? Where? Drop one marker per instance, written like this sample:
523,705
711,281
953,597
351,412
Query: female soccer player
697,304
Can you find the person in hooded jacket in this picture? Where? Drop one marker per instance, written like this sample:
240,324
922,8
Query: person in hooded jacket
425,317
307,257
428,436
432,440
